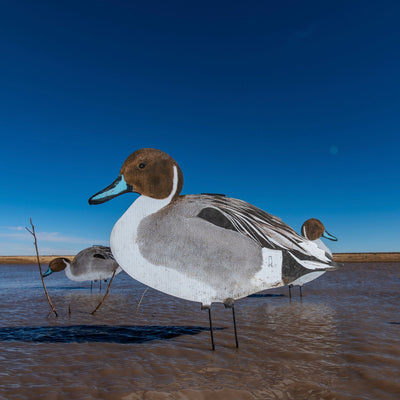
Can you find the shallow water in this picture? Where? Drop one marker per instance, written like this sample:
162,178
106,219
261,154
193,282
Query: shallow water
341,340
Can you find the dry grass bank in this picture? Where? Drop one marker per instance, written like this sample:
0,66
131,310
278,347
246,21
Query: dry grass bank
367,257
339,257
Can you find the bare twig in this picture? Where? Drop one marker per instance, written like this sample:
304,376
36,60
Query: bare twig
33,233
105,296
140,301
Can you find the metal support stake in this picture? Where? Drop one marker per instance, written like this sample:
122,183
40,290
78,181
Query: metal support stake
234,326
211,329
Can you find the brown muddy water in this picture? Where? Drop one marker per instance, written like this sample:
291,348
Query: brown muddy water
341,340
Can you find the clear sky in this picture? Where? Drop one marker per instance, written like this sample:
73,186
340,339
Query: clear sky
293,106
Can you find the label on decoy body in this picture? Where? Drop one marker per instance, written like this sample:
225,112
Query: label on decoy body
271,270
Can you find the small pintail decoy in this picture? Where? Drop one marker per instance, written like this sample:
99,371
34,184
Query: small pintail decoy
91,264
203,248
313,229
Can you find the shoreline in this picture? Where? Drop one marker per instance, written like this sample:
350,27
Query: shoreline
367,257
339,257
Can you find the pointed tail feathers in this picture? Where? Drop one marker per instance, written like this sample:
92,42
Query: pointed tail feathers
316,265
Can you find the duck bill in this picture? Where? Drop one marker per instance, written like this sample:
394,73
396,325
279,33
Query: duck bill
119,186
327,235
48,272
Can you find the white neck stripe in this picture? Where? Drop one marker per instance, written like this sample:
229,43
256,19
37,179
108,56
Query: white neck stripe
174,183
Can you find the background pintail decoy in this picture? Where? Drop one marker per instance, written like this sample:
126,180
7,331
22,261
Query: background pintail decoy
313,229
94,263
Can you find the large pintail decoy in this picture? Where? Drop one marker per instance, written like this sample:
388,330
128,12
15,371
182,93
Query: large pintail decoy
313,229
95,263
203,248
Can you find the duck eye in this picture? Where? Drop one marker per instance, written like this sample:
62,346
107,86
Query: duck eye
141,166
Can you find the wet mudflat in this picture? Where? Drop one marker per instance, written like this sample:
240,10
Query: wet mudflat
341,340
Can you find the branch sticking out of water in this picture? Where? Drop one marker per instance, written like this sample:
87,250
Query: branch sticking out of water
33,233
140,301
105,296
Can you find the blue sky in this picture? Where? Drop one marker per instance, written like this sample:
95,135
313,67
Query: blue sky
291,105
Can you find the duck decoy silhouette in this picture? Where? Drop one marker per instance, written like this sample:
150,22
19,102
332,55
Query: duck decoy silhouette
313,229
95,263
203,248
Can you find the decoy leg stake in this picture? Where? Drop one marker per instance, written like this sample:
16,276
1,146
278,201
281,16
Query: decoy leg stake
230,303
234,326
211,330
211,327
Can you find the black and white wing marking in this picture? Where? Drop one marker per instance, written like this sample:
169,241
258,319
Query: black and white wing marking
265,229
104,253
